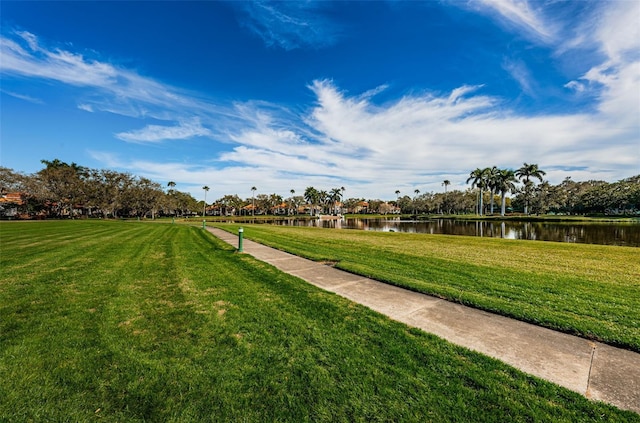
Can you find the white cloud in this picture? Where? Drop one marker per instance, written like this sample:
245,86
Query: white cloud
24,97
618,31
31,39
85,107
156,133
113,89
521,74
615,80
414,142
519,14
59,65
576,86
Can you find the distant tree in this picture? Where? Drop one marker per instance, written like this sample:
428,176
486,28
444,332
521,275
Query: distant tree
504,183
253,202
16,182
62,185
115,187
267,203
186,203
374,205
477,178
525,174
311,196
11,181
144,197
335,195
445,202
227,202
323,200
491,180
292,205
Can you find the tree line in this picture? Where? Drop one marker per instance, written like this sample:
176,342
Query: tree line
569,197
64,190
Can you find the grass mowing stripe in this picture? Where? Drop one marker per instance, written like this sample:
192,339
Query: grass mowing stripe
589,290
172,325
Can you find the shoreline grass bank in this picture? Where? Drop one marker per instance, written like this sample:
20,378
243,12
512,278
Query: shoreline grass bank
587,290
462,217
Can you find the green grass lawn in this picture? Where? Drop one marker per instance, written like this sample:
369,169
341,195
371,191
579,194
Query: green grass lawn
125,321
589,290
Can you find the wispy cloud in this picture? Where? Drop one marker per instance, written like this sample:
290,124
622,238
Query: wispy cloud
289,25
156,133
519,14
618,33
112,88
521,74
24,97
24,56
615,33
85,107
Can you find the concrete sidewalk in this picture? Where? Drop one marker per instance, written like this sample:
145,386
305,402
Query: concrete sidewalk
593,369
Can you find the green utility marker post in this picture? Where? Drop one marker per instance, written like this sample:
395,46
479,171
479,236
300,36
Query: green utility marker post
240,233
204,224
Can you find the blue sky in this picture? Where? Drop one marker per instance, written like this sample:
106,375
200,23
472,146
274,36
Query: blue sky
371,96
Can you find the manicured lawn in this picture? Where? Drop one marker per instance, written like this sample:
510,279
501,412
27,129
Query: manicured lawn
589,290
116,321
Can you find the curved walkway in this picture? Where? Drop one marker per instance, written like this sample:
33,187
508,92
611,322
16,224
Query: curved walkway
598,371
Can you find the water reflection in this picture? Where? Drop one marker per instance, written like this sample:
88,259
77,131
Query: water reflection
626,234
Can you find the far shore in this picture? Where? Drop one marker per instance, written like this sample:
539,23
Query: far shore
471,217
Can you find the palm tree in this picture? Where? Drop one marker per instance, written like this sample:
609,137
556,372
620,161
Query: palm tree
525,174
445,183
478,179
253,201
491,175
335,195
323,198
292,203
416,192
204,207
505,182
171,185
311,196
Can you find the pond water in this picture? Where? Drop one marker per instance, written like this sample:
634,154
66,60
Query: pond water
607,233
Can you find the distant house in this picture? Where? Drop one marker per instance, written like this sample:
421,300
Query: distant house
280,209
12,198
387,208
249,209
361,207
9,203
212,210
